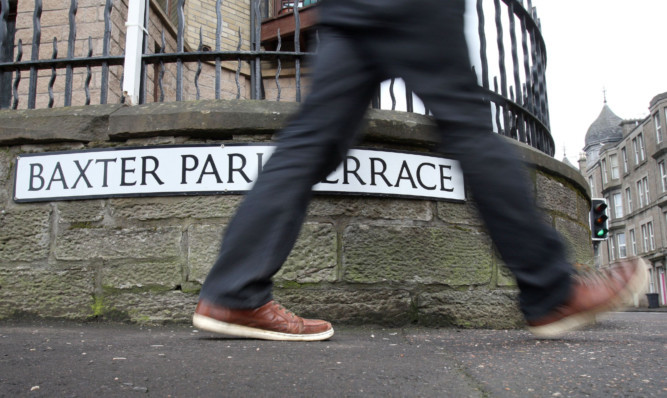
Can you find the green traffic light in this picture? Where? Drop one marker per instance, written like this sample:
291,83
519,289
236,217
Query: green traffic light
601,233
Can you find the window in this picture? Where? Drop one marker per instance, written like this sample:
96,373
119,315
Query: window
646,196
640,141
618,205
663,175
624,153
658,128
645,237
628,199
613,160
603,170
591,183
612,249
288,5
622,252
651,237
640,194
651,284
633,242
635,147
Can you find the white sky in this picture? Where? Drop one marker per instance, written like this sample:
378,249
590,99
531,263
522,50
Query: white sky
592,45
619,45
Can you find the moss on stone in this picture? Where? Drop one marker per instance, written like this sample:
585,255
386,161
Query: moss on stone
97,307
81,225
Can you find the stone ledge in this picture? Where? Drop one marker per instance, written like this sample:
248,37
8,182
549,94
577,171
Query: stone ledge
79,124
222,120
219,119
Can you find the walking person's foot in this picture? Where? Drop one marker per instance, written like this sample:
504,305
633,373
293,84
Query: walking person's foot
593,293
268,322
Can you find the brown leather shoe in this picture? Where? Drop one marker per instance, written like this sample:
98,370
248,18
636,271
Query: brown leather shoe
593,293
268,322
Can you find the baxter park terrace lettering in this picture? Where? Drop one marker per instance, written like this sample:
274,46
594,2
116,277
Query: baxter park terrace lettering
219,169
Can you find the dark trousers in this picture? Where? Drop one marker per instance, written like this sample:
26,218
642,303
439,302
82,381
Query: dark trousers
364,42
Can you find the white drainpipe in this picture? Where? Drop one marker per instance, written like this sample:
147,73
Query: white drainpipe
134,38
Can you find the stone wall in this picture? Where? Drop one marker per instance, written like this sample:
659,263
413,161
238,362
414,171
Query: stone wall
358,259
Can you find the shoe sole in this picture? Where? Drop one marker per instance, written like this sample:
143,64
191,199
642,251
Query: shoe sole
636,285
215,326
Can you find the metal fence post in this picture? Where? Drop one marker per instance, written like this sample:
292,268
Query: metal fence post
133,50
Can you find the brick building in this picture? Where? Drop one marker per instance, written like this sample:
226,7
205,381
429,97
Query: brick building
625,163
67,31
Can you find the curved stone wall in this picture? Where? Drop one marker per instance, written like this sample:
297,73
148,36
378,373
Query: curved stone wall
358,259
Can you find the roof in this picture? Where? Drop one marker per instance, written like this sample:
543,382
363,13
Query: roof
657,99
567,162
606,128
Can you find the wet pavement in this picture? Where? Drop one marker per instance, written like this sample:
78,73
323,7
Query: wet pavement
624,355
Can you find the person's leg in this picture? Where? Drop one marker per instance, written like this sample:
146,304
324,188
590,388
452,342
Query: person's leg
552,299
433,59
266,225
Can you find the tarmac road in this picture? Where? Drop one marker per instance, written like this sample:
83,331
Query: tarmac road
624,355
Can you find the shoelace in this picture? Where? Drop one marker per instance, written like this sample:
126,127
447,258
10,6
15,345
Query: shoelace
285,311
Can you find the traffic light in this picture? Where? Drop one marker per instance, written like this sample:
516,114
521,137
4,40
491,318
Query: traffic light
599,229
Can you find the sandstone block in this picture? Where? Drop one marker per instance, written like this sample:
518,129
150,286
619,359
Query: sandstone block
459,213
578,240
159,208
6,161
505,277
452,256
389,307
203,247
129,274
471,309
25,233
584,207
128,243
313,259
147,307
80,211
375,208
63,293
555,195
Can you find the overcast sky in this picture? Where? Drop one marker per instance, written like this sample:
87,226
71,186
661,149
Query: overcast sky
619,45
592,45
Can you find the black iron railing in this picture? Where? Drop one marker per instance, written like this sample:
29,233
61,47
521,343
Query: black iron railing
511,54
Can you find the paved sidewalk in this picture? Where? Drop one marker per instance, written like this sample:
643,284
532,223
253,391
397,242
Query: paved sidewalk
624,355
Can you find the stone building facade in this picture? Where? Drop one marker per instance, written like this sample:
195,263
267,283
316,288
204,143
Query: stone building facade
626,163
